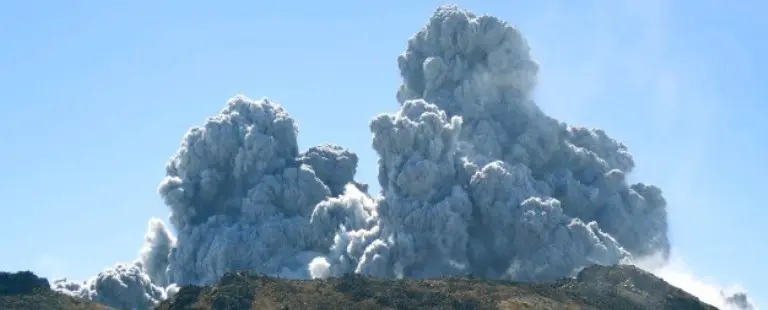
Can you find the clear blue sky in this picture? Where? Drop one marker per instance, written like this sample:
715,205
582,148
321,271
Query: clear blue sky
96,95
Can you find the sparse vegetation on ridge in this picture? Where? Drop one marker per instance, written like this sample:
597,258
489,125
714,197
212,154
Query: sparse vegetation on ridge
617,287
596,287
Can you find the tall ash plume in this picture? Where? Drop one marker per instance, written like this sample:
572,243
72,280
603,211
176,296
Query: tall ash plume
475,179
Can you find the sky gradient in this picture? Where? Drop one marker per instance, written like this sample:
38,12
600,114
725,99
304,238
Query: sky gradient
95,96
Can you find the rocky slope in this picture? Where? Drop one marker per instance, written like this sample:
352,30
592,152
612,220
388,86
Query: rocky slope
24,290
596,287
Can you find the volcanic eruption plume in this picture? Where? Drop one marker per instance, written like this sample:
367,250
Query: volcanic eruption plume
475,179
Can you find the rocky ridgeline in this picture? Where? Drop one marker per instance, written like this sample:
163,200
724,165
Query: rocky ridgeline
595,287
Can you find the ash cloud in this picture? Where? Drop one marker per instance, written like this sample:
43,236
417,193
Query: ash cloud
475,179
124,286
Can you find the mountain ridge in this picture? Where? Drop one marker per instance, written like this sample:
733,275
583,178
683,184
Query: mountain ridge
595,287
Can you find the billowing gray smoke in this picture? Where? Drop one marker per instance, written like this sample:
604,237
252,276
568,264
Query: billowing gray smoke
474,178
130,286
125,286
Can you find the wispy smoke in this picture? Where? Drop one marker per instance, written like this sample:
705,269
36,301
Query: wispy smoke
475,179
675,272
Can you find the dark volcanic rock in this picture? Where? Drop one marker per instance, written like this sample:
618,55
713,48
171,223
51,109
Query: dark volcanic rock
596,287
26,291
23,282
630,288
